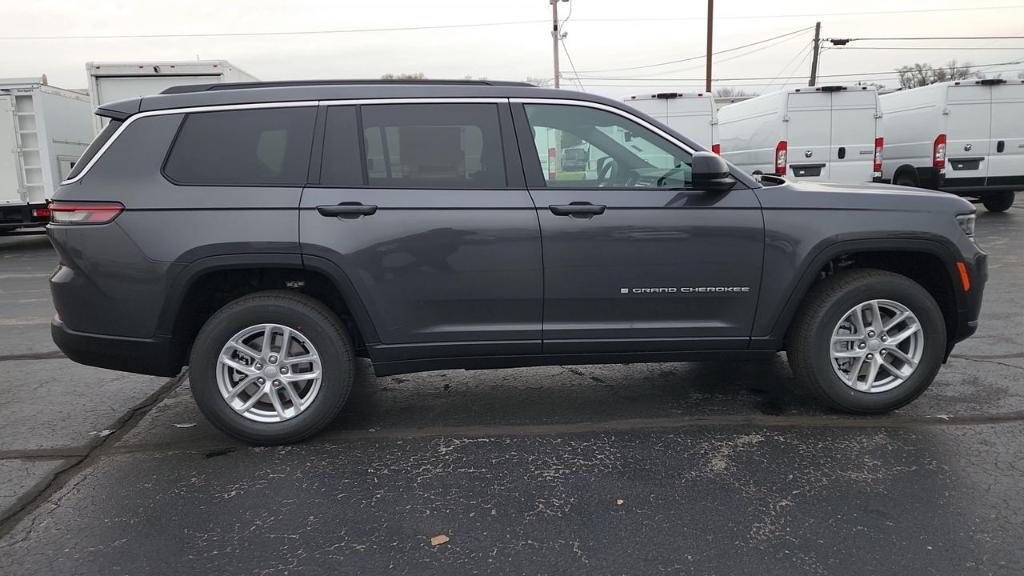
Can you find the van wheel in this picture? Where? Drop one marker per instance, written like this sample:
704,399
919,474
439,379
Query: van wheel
272,367
867,341
998,201
906,179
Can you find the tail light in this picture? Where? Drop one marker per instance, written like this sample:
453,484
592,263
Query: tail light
716,148
780,158
939,152
877,167
84,213
40,212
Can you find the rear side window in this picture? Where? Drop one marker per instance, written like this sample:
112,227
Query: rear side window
263,147
433,146
102,138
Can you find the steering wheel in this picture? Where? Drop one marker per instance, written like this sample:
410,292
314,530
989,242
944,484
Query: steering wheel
607,170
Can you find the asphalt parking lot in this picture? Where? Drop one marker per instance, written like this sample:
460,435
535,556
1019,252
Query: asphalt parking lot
705,468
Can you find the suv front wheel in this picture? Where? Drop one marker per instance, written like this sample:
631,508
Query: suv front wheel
867,341
272,367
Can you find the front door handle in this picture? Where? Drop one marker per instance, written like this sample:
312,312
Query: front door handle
577,209
347,210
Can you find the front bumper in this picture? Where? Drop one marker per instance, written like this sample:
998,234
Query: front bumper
153,356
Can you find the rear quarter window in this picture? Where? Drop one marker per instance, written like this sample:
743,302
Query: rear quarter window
101,139
261,147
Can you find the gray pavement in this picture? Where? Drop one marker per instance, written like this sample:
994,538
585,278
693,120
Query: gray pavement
704,468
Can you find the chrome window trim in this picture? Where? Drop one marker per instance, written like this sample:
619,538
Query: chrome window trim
369,101
606,108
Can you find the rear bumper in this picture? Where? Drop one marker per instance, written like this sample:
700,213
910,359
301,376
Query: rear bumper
13,216
154,356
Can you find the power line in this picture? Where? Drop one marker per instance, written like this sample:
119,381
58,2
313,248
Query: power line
571,65
807,15
876,73
930,48
909,38
726,59
691,58
275,33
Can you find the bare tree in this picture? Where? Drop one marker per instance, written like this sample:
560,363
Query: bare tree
404,76
730,92
542,82
916,75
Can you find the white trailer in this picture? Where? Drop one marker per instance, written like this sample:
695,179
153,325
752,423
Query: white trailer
693,115
43,131
112,81
964,137
825,133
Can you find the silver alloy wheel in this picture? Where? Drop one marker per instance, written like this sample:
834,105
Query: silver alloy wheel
269,373
876,346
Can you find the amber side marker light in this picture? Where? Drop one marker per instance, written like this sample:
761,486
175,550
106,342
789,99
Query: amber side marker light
965,280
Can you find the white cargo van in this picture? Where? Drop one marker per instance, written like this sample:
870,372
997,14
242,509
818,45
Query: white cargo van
828,133
43,131
964,137
112,81
692,115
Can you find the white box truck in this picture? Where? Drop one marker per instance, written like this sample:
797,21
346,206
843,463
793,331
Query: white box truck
825,133
691,114
43,131
112,81
964,137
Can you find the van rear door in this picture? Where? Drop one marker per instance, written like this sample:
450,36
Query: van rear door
808,134
968,131
10,165
852,144
1006,148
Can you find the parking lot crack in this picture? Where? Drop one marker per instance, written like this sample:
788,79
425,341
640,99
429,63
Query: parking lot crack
75,471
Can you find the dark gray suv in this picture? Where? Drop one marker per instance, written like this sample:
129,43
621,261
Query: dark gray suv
268,234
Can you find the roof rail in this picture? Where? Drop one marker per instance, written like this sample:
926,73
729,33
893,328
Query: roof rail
298,83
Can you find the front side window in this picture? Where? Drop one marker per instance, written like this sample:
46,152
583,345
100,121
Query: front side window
433,146
582,147
262,147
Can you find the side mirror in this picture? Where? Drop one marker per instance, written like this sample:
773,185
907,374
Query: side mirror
711,173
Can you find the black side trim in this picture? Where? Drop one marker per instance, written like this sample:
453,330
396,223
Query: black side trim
1017,181
954,184
154,356
490,362
938,246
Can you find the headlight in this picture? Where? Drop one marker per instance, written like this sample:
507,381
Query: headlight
966,222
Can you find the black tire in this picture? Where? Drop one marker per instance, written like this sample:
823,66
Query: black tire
905,178
998,201
808,343
294,310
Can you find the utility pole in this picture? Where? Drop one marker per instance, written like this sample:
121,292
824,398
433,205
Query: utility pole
814,57
711,20
554,38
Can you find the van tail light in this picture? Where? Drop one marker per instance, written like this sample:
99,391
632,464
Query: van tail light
40,212
939,152
84,213
780,158
877,165
716,148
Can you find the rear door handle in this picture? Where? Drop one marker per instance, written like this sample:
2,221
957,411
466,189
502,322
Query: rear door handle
577,209
347,210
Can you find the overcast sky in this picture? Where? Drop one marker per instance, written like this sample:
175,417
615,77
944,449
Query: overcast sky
603,35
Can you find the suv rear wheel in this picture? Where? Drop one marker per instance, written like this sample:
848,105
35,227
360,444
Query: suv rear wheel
867,341
272,367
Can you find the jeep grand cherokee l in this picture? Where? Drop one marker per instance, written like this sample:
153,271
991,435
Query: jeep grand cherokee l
268,234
